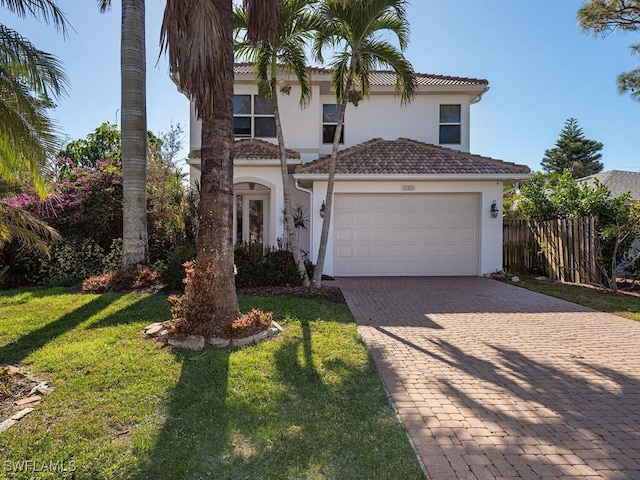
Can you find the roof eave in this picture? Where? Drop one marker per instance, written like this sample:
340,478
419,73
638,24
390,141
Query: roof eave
441,177
250,162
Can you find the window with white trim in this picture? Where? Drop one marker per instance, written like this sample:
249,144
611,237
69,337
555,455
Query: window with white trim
253,117
450,124
330,114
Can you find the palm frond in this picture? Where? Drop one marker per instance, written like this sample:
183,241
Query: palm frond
19,225
262,19
286,47
104,5
46,10
194,36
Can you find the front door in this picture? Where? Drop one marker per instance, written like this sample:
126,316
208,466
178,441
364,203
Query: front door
252,218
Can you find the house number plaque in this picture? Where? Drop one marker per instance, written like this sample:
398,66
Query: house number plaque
408,188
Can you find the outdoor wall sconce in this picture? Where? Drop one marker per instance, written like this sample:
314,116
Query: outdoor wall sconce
494,210
322,209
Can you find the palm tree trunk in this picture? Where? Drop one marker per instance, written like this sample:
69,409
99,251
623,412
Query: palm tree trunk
214,291
326,221
135,251
286,188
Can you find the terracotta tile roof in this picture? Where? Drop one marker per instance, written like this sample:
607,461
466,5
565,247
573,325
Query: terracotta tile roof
425,79
618,182
254,149
247,68
385,78
409,157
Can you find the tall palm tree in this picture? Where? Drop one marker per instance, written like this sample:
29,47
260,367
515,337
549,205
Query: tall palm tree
295,27
198,36
354,29
30,81
135,245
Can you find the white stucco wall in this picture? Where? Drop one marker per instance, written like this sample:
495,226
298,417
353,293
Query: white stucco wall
377,116
383,116
490,229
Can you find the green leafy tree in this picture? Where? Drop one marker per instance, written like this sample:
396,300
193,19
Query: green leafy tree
616,237
548,197
295,27
601,17
172,142
101,144
573,152
198,37
356,31
135,250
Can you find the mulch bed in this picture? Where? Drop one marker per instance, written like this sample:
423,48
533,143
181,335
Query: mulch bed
331,294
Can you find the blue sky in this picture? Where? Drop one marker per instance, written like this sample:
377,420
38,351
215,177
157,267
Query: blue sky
541,70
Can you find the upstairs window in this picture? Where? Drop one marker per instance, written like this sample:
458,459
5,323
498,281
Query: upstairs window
253,117
450,124
330,114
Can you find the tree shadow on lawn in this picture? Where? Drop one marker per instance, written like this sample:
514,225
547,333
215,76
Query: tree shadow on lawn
281,409
19,349
22,296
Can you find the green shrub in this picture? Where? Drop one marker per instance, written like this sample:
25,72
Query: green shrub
171,271
280,268
112,261
259,267
248,258
73,261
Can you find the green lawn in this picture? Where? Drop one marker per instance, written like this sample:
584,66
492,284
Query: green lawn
619,304
306,405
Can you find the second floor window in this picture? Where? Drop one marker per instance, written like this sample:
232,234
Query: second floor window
330,115
253,117
450,124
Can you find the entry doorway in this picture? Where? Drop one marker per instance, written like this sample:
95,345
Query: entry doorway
251,213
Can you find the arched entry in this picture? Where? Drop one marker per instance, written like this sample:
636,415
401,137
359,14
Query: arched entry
251,213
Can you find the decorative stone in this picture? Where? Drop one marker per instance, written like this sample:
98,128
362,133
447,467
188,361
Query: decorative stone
277,326
241,342
515,279
163,335
22,413
542,279
154,329
219,342
28,400
192,342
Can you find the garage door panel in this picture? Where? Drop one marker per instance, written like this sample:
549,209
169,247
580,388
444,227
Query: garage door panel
406,234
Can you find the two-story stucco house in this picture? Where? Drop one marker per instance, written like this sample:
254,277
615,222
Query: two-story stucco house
409,197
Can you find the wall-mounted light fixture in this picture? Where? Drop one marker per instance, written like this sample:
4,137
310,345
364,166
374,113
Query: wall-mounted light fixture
494,210
322,209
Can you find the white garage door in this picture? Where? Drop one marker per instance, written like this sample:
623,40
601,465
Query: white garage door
406,234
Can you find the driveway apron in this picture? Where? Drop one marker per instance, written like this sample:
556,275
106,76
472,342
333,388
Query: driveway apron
495,381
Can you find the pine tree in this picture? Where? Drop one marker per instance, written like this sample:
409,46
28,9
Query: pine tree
573,152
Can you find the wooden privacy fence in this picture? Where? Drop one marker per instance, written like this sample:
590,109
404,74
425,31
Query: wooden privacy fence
562,249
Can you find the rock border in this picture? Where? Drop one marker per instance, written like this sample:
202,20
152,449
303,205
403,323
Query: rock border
161,331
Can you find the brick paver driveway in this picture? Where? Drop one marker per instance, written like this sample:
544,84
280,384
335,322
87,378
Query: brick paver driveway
494,381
